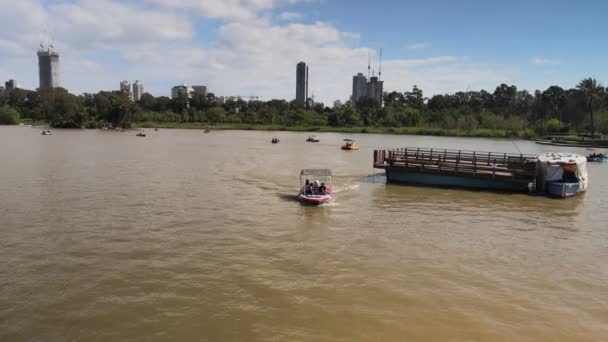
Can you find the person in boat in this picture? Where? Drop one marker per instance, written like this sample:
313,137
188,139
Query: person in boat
322,189
316,186
308,188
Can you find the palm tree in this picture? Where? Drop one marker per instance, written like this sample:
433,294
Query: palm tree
591,88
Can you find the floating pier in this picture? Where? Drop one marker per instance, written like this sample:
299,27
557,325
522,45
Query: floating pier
458,168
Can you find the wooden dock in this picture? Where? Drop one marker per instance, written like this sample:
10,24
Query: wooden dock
455,165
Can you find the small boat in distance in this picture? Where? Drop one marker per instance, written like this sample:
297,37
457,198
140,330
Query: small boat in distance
597,158
207,130
275,140
156,130
47,132
312,138
141,134
315,186
350,145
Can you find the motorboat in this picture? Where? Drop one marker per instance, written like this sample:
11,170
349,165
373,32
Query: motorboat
597,158
315,186
275,140
349,144
562,174
312,138
156,130
141,134
207,130
47,132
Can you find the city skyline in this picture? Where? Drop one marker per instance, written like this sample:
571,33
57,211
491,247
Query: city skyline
249,47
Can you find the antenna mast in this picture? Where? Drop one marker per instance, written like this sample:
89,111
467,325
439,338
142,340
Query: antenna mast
369,61
380,67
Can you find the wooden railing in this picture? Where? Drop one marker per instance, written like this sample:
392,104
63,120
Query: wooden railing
447,161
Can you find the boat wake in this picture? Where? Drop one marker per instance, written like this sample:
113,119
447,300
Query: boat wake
346,188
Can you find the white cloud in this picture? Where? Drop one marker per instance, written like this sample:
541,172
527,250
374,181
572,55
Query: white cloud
544,61
418,46
225,9
290,16
111,24
105,41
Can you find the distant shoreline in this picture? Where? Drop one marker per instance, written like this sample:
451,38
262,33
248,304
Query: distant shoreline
477,133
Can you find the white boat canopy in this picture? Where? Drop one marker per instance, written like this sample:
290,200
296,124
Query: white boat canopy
552,165
316,172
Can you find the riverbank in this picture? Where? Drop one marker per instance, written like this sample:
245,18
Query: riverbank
477,133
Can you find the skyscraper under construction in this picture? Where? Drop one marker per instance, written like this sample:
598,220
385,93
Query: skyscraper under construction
372,88
48,67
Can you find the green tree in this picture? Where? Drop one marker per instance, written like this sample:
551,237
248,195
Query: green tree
591,89
62,109
554,125
414,98
147,102
8,115
162,104
369,108
216,115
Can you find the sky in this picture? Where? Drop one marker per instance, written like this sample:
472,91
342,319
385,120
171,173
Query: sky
251,47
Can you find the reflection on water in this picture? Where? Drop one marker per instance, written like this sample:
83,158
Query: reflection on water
190,236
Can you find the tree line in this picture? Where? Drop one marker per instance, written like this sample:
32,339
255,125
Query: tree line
583,108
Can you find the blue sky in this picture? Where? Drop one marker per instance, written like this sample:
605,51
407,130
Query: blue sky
251,47
570,37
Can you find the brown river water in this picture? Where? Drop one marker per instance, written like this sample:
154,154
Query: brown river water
186,236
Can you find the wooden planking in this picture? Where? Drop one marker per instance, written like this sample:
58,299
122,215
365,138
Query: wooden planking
471,163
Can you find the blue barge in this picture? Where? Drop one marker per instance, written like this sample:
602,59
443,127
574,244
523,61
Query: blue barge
560,175
457,168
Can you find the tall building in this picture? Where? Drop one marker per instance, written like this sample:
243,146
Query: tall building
138,90
125,88
200,90
181,90
301,84
11,84
374,89
359,87
48,67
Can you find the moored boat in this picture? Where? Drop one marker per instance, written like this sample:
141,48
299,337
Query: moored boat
562,174
317,191
312,138
141,134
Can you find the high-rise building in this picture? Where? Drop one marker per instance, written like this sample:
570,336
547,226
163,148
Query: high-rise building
301,84
359,87
48,67
138,90
181,90
200,90
374,89
125,88
11,84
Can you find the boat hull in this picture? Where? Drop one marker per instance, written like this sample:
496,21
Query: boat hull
314,199
442,180
563,189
